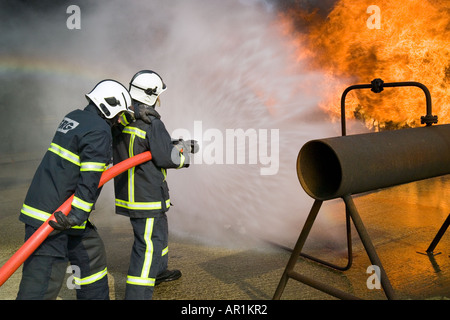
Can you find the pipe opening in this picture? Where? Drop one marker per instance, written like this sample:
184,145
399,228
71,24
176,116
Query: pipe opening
319,170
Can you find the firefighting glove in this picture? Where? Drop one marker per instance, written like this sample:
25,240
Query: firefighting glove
193,146
62,222
186,146
143,112
179,144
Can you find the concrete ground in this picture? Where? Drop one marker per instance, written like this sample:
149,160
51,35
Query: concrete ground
401,221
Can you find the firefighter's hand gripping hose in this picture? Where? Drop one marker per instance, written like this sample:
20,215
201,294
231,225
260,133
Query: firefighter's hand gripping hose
62,222
45,229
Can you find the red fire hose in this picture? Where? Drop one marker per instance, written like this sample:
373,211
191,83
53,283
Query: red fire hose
44,230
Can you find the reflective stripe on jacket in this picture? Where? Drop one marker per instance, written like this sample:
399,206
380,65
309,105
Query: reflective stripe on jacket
142,191
73,164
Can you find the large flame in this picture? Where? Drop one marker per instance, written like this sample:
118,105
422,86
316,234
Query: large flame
412,44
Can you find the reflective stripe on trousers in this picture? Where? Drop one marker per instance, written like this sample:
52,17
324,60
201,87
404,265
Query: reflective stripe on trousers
143,279
149,255
91,279
45,270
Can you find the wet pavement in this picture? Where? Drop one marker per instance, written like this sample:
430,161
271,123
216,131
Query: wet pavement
401,221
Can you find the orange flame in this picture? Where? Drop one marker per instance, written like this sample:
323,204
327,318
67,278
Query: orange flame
412,44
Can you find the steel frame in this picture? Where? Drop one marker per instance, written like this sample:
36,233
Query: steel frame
351,212
377,85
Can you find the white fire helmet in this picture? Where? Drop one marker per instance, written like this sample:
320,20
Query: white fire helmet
146,86
110,97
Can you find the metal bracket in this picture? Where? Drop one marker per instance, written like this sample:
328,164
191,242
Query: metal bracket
378,85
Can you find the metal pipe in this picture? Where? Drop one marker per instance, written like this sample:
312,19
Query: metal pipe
335,167
44,230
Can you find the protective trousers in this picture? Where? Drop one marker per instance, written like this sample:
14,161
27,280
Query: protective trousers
44,271
148,256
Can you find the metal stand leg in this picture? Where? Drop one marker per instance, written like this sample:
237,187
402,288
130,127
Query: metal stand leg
349,249
298,248
289,270
438,236
352,213
325,263
370,249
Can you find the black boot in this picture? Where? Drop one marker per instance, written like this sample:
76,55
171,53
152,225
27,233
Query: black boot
168,275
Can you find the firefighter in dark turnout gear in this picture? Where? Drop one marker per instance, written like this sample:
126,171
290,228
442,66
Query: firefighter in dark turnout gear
74,163
142,193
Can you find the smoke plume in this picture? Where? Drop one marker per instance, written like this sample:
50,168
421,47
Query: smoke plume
227,64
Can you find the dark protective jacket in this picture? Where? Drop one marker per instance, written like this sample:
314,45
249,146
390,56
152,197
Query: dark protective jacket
74,163
142,191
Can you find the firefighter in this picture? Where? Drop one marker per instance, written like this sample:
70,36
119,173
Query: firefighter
142,193
78,155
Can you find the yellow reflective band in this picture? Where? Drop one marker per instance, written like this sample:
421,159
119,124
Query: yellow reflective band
131,146
93,166
42,215
35,213
83,226
182,158
91,279
165,251
131,185
140,205
168,203
135,131
141,281
65,154
148,248
81,204
123,120
131,171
